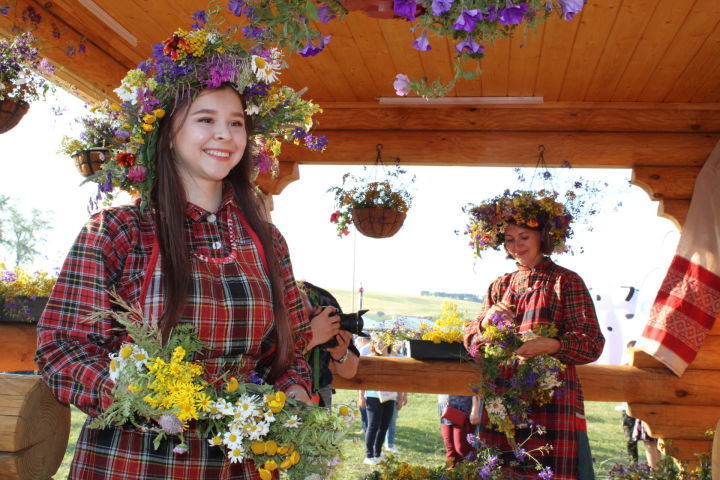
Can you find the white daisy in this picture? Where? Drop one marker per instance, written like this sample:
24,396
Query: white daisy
215,441
246,406
293,422
236,454
252,109
265,70
269,416
233,439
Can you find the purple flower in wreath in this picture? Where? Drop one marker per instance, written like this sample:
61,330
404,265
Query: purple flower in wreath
468,45
512,15
236,7
200,18
421,43
441,6
570,8
311,50
325,15
405,9
468,20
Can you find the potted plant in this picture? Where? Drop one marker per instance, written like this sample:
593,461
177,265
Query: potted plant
376,208
443,339
20,83
23,295
98,138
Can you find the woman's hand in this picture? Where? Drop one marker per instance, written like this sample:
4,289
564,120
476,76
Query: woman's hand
324,325
343,338
298,393
499,308
538,346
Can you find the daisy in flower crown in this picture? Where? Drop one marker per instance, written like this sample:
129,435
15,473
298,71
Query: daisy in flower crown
198,120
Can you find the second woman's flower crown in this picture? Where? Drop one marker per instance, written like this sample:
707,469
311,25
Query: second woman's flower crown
189,62
537,210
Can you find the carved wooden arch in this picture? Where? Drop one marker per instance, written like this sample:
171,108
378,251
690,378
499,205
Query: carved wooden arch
671,186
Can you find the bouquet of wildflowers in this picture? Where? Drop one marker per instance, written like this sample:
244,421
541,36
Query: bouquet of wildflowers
509,398
99,129
160,388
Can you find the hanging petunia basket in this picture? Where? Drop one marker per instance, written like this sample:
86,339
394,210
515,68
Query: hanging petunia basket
11,112
378,222
90,160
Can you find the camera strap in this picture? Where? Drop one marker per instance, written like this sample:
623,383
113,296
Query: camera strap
315,353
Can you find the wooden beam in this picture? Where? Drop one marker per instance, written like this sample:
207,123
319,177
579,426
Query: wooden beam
288,173
708,357
554,116
91,75
661,182
676,421
604,383
675,210
683,448
602,150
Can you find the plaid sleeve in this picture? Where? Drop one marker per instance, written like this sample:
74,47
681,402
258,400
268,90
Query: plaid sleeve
581,340
299,371
473,327
72,354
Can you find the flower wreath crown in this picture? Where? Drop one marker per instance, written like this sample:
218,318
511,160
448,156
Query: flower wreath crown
526,208
191,61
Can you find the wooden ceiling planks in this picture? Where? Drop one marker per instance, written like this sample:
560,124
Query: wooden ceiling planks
710,91
619,47
524,60
398,38
686,44
558,38
373,51
694,75
596,21
496,69
666,21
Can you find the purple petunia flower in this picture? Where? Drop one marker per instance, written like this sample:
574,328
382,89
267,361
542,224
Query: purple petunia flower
317,143
512,15
200,18
401,85
311,50
469,46
236,7
45,66
325,14
570,8
421,43
441,6
4,10
468,20
405,9
81,48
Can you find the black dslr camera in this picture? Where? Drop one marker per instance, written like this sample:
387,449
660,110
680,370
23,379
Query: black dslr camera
350,322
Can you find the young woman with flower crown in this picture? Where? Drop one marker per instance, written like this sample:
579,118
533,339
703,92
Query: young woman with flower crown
196,248
531,226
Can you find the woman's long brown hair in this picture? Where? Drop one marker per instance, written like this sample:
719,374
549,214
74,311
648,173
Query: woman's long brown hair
169,200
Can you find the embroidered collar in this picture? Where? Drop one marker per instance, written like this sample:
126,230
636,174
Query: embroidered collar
544,264
199,214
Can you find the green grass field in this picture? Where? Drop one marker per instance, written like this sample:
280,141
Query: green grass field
418,437
391,304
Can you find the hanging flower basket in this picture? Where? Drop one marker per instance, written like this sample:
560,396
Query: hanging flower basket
90,160
22,309
378,222
11,111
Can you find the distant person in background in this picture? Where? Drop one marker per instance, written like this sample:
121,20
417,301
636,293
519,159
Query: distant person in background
323,310
380,406
455,428
363,346
390,446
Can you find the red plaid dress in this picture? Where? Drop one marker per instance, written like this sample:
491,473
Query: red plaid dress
541,295
229,302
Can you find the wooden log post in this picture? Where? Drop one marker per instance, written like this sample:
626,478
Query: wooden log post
34,429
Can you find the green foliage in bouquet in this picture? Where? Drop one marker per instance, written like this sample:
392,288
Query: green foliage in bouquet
159,387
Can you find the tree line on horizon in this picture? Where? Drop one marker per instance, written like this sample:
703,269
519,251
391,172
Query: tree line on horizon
468,297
